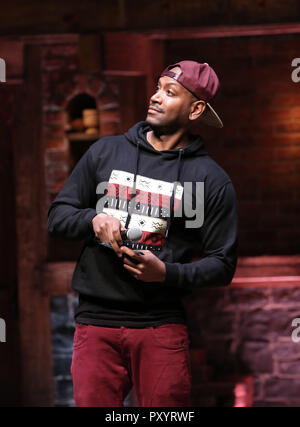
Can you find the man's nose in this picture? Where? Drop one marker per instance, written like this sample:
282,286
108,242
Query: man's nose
156,97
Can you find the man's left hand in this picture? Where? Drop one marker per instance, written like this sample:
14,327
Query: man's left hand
148,267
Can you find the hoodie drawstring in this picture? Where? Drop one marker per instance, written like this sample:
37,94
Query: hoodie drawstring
180,154
136,167
172,201
134,179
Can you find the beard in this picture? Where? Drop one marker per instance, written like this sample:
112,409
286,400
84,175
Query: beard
160,129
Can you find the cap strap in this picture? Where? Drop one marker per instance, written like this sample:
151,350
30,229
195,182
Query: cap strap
171,74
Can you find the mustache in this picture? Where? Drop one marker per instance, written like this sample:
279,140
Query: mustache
160,110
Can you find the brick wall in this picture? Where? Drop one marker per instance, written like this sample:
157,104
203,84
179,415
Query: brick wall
246,333
64,79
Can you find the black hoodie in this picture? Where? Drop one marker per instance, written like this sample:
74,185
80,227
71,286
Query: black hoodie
165,188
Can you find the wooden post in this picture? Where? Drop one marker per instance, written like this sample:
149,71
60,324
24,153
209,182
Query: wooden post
34,305
132,96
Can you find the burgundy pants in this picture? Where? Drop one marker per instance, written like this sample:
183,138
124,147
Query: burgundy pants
107,362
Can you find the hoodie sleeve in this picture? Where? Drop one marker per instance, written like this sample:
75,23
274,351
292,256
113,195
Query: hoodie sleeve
70,215
218,239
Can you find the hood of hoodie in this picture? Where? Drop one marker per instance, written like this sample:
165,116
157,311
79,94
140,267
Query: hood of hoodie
137,136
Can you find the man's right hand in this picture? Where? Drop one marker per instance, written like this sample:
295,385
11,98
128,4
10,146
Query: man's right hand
107,230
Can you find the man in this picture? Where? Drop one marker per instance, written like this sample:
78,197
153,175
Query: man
130,322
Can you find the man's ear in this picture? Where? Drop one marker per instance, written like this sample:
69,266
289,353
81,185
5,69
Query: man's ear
197,108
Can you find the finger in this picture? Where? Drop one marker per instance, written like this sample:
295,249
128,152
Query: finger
127,251
116,248
128,261
114,244
132,269
103,233
117,236
134,272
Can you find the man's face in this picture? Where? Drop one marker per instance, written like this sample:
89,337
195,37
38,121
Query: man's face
170,105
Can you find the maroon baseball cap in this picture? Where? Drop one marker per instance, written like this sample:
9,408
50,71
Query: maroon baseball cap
202,82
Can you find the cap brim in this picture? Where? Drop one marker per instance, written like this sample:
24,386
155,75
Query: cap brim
210,117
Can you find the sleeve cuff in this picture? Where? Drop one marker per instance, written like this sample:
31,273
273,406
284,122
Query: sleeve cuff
172,275
89,219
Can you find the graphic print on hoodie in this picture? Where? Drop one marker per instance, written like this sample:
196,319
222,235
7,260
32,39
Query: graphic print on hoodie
131,166
148,201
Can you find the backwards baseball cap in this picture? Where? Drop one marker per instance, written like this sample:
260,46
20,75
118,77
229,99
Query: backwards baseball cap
202,82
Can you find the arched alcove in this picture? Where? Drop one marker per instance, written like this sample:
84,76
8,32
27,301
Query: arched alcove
76,113
81,125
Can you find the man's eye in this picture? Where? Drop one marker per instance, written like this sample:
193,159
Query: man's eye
170,92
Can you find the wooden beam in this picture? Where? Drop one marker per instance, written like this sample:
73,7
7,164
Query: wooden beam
56,277
132,96
261,271
225,31
265,281
90,53
11,51
34,305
